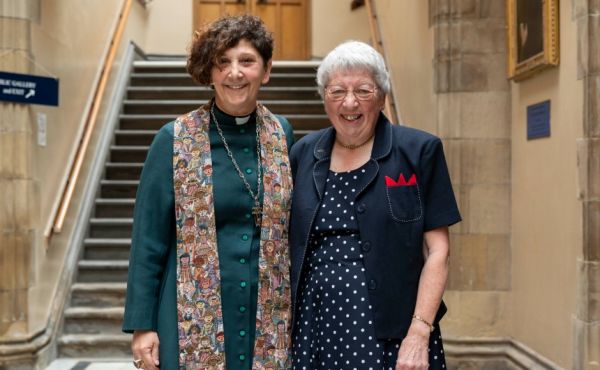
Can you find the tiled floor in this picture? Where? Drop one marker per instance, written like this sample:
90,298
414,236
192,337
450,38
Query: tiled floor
75,364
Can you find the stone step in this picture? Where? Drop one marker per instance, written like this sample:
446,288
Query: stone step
110,189
299,121
104,363
205,93
106,228
123,171
98,294
95,346
178,66
298,134
106,249
183,79
108,271
134,137
128,153
116,207
93,320
176,107
145,121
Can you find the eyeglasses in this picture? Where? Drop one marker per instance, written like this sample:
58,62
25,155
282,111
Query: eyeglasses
337,93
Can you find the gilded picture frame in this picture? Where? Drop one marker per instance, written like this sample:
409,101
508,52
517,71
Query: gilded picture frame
533,36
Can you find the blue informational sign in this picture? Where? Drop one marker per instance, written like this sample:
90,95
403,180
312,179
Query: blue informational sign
538,120
28,89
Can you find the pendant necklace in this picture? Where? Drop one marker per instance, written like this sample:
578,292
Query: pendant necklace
354,146
256,209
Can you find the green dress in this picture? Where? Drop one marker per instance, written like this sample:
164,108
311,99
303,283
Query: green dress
151,302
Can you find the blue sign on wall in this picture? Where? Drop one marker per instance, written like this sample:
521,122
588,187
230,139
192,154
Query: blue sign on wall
538,120
28,89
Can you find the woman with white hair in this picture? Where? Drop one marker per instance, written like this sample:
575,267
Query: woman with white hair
369,238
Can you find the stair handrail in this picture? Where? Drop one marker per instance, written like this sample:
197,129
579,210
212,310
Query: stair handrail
68,188
374,26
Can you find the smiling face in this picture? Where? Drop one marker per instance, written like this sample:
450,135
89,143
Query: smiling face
354,120
237,77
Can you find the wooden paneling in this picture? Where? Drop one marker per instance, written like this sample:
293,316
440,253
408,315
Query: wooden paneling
206,11
287,19
294,31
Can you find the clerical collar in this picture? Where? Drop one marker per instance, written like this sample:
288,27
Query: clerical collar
228,119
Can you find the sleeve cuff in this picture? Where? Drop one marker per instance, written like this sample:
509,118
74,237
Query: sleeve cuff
139,320
442,219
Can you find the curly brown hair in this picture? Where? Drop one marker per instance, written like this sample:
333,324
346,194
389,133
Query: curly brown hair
224,33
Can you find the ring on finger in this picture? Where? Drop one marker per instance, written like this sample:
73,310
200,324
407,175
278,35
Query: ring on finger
139,363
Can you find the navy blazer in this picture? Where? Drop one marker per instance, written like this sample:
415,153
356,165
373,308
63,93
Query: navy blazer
408,192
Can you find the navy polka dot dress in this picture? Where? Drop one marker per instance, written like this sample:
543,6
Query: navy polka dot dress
334,325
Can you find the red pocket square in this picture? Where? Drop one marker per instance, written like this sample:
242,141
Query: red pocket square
389,182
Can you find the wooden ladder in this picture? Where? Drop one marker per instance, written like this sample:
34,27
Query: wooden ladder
390,105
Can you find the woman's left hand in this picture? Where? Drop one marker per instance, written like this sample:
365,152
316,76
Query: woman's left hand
413,353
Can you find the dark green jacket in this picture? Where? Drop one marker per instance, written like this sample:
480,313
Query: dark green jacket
151,293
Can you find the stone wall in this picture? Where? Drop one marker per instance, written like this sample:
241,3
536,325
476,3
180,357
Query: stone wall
586,321
17,184
473,120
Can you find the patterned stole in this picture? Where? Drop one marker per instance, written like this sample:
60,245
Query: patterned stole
200,318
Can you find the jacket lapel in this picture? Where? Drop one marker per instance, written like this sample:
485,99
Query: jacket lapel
322,154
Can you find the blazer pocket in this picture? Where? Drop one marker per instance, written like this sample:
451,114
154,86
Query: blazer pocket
404,202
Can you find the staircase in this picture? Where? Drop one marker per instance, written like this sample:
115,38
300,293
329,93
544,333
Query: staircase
158,92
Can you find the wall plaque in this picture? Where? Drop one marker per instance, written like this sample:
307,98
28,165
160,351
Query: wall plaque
538,120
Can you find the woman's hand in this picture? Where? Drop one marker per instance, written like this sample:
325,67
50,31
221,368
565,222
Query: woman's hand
145,347
413,353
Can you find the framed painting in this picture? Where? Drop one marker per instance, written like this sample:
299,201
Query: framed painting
533,39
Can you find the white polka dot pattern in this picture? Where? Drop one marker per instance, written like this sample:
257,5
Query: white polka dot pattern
334,325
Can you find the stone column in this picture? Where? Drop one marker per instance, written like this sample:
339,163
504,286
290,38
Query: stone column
474,120
17,184
586,323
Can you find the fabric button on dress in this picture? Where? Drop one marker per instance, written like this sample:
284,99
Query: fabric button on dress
242,260
246,150
361,208
372,284
242,333
242,308
244,237
366,246
243,284
242,357
248,171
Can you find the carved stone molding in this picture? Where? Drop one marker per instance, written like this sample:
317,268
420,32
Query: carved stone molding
493,353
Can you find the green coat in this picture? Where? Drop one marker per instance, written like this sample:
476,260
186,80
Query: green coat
151,287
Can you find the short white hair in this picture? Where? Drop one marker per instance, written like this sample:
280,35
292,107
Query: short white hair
352,55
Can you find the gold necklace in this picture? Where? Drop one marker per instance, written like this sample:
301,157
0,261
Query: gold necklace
354,146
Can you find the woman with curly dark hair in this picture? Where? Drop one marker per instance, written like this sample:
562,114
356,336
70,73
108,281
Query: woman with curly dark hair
207,235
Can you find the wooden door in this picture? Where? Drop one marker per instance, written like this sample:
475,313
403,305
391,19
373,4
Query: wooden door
287,19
